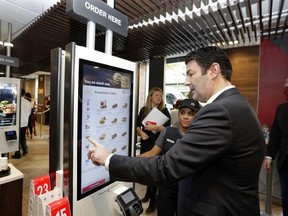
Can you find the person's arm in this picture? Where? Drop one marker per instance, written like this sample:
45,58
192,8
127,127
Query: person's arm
141,133
153,152
267,164
184,158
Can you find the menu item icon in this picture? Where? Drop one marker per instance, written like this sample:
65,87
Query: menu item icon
114,121
102,137
102,120
117,76
114,136
113,150
125,82
103,104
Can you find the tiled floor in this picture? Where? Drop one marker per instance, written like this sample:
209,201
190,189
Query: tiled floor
36,164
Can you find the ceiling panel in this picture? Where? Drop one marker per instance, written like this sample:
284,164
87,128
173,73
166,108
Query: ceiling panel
156,29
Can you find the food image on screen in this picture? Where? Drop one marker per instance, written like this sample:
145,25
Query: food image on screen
106,99
8,102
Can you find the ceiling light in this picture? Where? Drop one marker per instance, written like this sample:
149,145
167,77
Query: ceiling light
7,44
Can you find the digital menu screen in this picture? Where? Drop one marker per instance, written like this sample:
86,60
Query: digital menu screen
8,103
105,114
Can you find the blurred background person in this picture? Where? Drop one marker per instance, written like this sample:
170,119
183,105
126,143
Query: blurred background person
47,111
32,117
149,133
174,113
278,145
167,194
25,111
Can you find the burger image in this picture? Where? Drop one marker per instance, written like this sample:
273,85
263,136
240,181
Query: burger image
125,82
117,77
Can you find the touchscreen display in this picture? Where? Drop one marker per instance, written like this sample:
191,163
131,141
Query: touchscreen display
105,115
8,103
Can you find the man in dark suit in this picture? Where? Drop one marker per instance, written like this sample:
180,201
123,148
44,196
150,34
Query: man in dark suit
278,144
218,160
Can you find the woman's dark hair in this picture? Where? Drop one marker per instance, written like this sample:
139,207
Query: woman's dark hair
206,56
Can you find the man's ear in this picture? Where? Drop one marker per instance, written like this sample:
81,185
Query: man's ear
214,70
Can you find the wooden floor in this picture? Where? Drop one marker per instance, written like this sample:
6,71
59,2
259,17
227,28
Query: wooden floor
36,164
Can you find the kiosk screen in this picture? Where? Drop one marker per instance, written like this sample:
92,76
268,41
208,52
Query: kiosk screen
8,103
105,103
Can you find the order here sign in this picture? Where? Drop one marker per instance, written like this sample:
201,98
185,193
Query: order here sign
7,60
99,12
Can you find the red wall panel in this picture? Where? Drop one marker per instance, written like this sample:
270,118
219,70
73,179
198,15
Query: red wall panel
273,73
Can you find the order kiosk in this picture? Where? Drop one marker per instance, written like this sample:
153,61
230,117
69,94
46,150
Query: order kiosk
9,114
99,100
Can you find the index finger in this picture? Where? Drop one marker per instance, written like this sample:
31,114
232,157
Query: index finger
92,141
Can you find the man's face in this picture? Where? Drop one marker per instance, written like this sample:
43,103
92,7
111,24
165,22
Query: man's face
198,83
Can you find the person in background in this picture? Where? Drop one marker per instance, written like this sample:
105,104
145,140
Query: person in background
32,116
47,107
174,113
149,133
218,161
167,194
25,111
278,145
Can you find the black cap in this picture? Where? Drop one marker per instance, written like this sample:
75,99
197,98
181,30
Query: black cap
191,104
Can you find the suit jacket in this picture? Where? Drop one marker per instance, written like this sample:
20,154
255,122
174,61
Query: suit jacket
217,161
278,140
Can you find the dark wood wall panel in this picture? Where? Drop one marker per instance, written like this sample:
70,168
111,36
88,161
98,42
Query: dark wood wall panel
245,63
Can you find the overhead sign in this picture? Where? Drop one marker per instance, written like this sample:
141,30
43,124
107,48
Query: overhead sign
99,12
7,60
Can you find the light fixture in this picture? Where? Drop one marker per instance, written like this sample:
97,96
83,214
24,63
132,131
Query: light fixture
8,44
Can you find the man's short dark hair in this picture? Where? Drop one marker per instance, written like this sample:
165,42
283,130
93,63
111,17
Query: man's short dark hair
206,56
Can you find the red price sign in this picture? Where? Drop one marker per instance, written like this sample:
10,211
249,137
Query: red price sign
60,207
42,184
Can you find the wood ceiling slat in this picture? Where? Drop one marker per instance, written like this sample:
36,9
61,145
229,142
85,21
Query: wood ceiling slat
160,38
255,34
175,34
151,32
248,33
130,14
284,27
203,27
169,33
248,5
199,39
260,17
218,26
219,10
236,35
182,29
241,16
192,25
203,16
279,17
242,35
270,17
229,8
